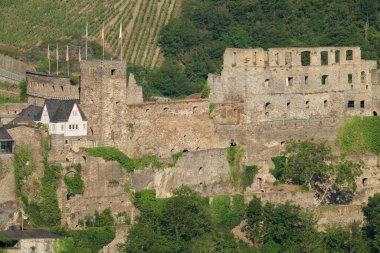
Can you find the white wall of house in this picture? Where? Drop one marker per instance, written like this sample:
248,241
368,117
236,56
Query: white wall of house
45,116
75,126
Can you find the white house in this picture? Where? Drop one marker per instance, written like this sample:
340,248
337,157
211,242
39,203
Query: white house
63,117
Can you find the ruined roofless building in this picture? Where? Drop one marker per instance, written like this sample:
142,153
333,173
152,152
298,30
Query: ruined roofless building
297,83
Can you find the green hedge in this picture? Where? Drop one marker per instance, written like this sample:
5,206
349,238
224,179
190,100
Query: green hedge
358,136
130,164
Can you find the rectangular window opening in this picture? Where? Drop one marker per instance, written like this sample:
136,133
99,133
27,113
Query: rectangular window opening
289,81
337,56
349,78
324,58
66,142
362,104
113,72
351,104
349,55
305,58
306,80
324,79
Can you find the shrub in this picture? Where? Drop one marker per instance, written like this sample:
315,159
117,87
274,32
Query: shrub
75,185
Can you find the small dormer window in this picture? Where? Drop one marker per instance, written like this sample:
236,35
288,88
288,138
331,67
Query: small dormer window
113,72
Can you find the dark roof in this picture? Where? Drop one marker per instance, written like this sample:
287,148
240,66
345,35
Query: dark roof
28,234
29,72
29,114
4,135
60,110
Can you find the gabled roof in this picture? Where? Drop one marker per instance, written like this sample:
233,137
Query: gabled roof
29,114
4,135
60,110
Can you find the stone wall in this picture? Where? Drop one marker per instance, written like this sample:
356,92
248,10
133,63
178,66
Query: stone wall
11,69
99,193
41,86
275,85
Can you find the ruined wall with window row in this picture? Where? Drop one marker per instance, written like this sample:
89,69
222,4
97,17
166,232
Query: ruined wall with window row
286,83
42,86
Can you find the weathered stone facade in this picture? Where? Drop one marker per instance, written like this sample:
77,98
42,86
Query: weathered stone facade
41,86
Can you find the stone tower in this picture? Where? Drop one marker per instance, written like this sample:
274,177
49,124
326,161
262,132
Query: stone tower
103,99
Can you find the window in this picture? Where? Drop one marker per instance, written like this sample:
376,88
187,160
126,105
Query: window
266,83
349,78
113,72
70,127
76,126
307,104
289,81
349,55
351,104
268,106
362,104
324,58
288,105
324,79
305,58
325,104
337,56
363,77
306,79
66,142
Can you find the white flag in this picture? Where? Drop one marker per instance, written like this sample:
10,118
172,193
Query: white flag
120,31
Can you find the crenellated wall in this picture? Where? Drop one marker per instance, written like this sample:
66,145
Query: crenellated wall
41,86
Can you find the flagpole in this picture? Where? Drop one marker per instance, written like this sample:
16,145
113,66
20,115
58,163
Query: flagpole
103,39
57,55
121,42
86,37
67,60
49,57
22,219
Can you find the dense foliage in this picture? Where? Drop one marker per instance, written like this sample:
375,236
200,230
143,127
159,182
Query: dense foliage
131,164
90,240
360,135
185,223
372,227
75,184
313,166
199,37
24,166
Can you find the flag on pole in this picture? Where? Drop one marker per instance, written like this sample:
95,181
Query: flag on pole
86,30
67,53
79,56
56,53
86,38
120,31
48,52
102,32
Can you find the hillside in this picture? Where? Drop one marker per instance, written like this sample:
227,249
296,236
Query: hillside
53,20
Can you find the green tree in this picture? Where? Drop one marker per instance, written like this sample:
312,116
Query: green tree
313,166
372,222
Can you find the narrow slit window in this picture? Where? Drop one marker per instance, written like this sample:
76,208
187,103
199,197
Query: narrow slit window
289,81
324,79
306,80
362,104
325,103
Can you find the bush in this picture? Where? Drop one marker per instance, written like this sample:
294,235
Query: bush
75,185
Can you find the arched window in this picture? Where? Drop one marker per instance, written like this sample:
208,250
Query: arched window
363,77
